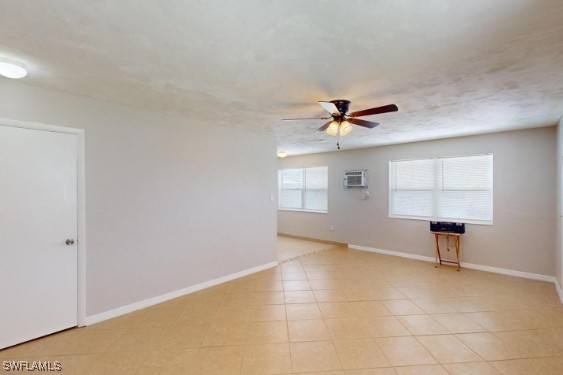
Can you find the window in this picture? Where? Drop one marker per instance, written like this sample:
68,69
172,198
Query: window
446,189
303,189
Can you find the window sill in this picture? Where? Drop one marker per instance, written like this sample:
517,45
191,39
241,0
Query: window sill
477,222
300,210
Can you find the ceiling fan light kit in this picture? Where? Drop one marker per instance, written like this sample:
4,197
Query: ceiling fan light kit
345,128
341,122
333,128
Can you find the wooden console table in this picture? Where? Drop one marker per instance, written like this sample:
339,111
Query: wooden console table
439,259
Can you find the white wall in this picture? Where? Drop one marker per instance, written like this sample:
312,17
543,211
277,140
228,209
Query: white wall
170,203
559,192
522,237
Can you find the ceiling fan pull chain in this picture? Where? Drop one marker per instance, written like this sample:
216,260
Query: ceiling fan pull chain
338,138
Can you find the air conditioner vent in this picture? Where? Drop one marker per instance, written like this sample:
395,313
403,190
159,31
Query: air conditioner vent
357,178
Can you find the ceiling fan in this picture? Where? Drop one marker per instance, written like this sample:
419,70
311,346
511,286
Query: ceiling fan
340,123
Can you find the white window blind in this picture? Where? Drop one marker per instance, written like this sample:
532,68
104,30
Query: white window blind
303,189
446,189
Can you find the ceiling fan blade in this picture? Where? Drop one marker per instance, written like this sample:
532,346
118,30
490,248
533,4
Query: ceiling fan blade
364,123
330,107
305,118
375,111
324,127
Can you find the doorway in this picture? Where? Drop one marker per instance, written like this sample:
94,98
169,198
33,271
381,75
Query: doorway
292,247
42,243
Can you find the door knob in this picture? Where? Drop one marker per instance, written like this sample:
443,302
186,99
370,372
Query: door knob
69,241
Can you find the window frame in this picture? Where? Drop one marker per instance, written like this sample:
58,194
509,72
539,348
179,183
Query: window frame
435,193
303,190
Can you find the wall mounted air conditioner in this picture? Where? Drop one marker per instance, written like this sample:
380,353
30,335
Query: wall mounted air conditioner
358,178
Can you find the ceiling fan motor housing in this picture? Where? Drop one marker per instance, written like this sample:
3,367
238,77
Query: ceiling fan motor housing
342,105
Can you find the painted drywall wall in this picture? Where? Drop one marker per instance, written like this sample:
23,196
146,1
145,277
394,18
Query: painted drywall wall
170,202
559,219
521,238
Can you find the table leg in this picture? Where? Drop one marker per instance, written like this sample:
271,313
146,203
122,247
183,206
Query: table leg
438,255
457,249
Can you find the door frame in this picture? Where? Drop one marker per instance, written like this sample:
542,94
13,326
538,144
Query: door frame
81,203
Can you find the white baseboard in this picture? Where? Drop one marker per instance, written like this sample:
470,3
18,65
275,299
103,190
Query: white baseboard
503,271
558,288
175,294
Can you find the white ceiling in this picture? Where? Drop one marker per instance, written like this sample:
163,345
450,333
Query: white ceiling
453,67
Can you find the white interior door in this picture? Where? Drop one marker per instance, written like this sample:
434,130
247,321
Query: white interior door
38,213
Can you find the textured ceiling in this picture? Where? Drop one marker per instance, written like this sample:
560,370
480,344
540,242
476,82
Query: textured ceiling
453,67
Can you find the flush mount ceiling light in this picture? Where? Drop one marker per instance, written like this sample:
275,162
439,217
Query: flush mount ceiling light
12,69
282,154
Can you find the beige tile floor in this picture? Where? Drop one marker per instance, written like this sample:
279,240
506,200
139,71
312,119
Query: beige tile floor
337,312
291,248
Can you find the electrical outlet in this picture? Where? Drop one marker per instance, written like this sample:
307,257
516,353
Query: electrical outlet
332,227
